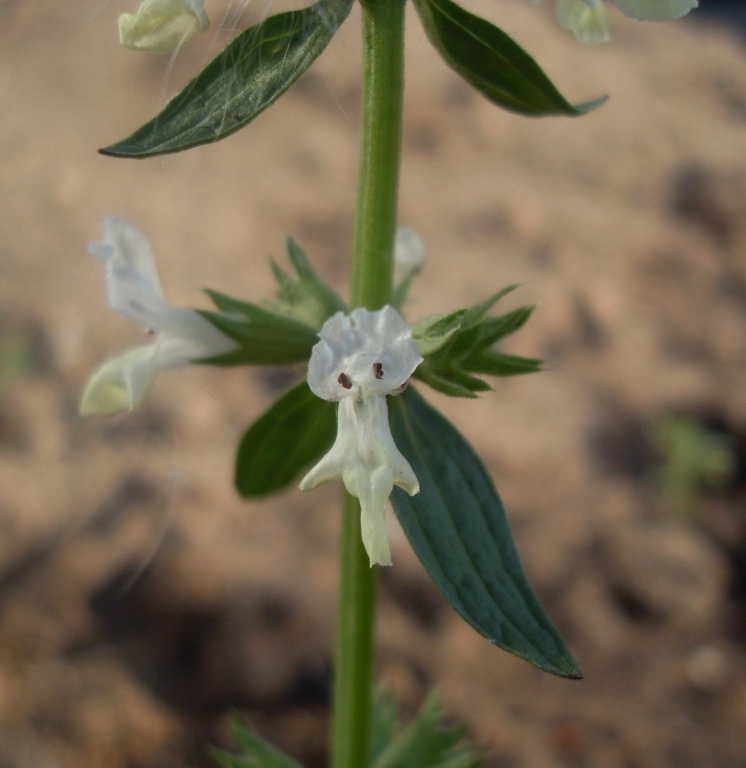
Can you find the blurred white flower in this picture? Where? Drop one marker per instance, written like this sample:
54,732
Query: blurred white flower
655,10
360,359
134,291
586,19
409,254
162,26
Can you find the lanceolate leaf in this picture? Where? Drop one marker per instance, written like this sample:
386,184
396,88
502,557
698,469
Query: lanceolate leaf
250,74
294,433
457,527
492,62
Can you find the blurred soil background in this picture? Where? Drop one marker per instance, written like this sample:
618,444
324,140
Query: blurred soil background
141,600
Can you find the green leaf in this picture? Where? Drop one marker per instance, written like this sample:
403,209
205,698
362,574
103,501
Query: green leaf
457,527
265,338
295,432
492,62
429,742
248,76
257,753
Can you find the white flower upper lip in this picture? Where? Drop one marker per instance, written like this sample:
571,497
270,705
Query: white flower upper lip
134,290
362,354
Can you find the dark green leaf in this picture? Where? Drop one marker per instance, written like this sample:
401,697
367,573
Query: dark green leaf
250,74
492,62
457,527
294,433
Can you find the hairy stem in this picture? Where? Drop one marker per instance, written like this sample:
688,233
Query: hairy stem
380,150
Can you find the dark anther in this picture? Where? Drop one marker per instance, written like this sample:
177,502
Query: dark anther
345,380
378,370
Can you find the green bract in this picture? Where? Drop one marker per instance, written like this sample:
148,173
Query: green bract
255,751
281,331
429,741
459,344
306,297
264,337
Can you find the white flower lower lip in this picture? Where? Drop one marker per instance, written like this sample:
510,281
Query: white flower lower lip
360,359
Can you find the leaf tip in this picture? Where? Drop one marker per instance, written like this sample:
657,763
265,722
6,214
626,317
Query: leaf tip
590,106
567,668
116,150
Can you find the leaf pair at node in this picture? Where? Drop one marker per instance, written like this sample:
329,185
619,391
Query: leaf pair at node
263,61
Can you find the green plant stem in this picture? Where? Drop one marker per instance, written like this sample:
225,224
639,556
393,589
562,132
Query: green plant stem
353,674
380,150
372,270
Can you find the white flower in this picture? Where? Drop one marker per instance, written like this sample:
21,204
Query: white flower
586,19
134,291
409,254
360,359
162,26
